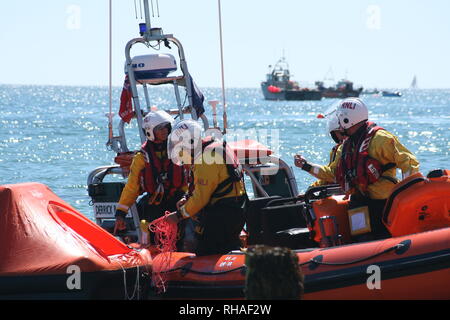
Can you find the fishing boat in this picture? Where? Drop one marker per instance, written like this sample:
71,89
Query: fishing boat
279,86
343,89
413,263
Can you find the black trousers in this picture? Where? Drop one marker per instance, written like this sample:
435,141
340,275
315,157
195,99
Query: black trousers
376,207
220,226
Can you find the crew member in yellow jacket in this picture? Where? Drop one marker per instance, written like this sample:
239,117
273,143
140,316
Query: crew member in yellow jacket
366,169
212,215
154,173
324,173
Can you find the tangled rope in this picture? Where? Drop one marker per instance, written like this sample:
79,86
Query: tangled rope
166,236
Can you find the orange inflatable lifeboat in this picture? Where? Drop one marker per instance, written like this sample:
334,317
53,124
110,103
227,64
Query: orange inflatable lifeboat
412,267
51,251
413,264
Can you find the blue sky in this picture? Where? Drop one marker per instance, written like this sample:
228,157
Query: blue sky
375,43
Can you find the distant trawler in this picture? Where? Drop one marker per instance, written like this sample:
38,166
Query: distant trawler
279,86
343,89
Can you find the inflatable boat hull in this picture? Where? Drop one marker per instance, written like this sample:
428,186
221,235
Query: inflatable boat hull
411,267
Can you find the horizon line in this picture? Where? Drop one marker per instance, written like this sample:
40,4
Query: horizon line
206,87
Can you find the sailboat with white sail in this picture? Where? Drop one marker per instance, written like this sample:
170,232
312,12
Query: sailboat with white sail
414,83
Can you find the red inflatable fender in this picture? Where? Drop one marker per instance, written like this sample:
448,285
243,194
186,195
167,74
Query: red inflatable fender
273,89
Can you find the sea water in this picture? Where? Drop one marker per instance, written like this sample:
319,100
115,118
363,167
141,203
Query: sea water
57,135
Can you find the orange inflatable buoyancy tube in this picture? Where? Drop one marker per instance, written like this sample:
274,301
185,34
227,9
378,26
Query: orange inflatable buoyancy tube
418,204
441,175
332,206
411,267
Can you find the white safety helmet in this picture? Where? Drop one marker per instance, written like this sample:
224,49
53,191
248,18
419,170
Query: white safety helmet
154,119
333,126
350,112
185,142
333,122
330,116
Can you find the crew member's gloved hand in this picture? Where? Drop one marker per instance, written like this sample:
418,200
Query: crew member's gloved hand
173,217
301,163
120,224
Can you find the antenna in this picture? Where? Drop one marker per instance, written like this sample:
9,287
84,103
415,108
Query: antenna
110,115
147,15
225,123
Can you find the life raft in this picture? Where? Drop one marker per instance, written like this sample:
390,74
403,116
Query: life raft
51,251
413,264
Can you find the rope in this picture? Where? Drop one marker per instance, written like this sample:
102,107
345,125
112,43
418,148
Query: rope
125,286
166,242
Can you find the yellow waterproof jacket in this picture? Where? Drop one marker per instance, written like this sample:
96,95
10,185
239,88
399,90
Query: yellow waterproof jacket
325,174
386,148
209,171
132,189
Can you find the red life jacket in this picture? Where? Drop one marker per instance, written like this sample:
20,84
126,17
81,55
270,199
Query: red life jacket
356,169
156,171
